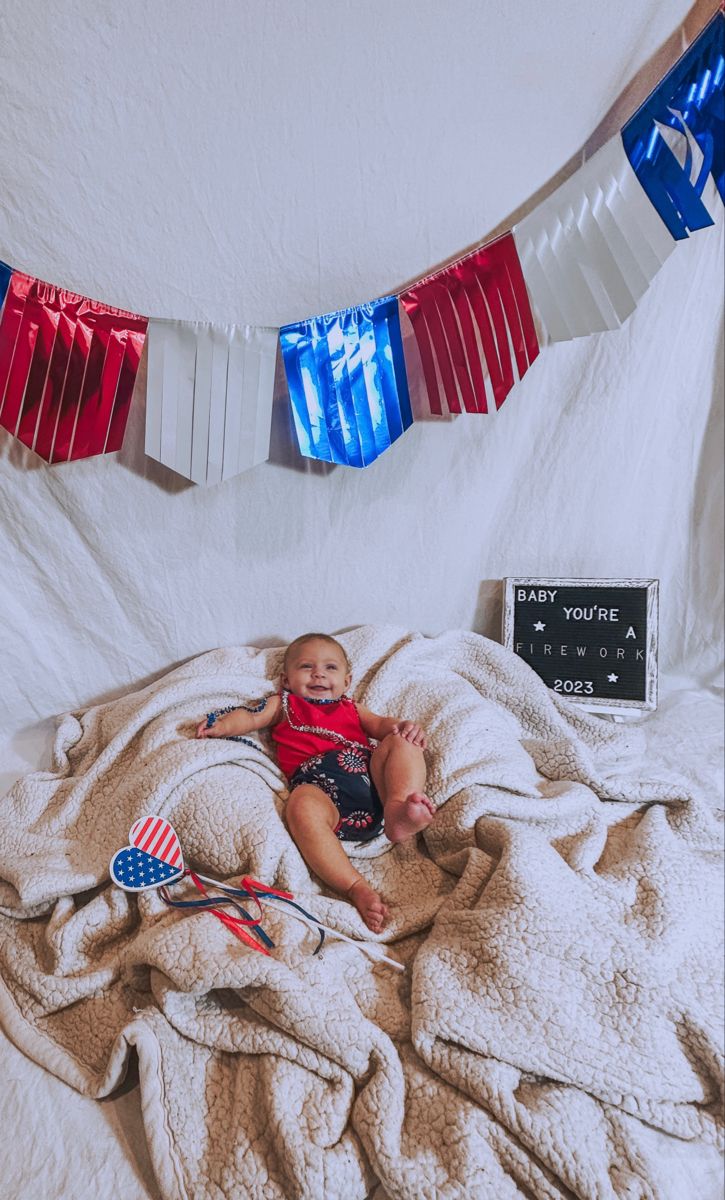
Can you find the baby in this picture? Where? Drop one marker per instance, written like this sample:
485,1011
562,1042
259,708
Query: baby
342,788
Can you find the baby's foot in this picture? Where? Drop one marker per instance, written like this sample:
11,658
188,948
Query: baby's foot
403,818
368,904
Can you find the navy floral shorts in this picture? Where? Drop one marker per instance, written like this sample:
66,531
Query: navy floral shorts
344,776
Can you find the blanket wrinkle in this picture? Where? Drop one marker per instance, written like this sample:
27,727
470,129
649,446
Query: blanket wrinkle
560,921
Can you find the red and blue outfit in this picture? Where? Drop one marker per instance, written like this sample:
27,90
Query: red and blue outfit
322,742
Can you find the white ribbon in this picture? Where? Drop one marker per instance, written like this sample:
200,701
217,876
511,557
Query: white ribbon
591,249
209,397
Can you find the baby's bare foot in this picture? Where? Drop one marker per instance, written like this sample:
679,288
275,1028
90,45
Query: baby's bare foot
403,818
368,904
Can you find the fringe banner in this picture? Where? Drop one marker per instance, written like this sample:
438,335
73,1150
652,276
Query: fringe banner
209,397
691,100
67,370
472,313
347,382
591,249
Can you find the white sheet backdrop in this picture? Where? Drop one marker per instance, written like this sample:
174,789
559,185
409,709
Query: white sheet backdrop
262,163
249,162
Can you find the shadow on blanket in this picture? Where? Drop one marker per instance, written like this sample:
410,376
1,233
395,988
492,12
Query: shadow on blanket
560,920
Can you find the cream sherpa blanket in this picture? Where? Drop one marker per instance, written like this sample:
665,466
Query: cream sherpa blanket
560,921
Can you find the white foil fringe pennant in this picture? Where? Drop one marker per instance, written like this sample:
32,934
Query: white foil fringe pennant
209,397
591,249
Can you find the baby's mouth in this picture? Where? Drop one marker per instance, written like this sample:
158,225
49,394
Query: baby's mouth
319,687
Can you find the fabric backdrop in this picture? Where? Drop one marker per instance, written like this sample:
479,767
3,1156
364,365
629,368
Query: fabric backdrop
232,163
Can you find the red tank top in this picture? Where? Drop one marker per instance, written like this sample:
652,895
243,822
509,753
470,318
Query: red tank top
295,746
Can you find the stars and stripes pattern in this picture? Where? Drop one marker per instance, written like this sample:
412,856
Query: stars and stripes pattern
153,857
134,870
157,836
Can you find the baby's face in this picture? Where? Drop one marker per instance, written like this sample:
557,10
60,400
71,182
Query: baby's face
318,671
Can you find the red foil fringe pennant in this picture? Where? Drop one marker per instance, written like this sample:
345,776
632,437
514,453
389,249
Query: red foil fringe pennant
67,370
473,323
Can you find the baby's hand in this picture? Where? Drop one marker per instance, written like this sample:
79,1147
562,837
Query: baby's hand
412,733
204,731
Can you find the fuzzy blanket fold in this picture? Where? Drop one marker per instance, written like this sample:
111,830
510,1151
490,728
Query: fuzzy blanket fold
561,922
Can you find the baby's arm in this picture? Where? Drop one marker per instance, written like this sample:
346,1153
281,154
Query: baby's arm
241,721
379,727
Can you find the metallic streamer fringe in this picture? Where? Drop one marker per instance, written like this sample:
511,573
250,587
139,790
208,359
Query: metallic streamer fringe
347,382
591,249
586,254
209,397
67,370
474,328
691,100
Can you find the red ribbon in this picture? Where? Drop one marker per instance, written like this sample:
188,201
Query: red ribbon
253,886
235,924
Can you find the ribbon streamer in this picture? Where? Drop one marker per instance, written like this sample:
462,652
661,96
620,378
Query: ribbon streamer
209,397
235,924
67,370
214,904
251,889
472,315
371,948
347,382
591,249
691,100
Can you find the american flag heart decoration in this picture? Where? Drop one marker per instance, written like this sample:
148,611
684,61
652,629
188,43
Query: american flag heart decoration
152,858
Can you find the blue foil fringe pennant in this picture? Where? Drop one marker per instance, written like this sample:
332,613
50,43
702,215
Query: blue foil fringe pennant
5,275
690,100
347,382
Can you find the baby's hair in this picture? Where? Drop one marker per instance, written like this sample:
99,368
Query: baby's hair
313,637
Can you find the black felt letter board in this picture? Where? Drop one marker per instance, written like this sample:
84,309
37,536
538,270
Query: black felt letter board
589,640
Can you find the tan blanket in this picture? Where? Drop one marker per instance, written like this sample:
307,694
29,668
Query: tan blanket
561,923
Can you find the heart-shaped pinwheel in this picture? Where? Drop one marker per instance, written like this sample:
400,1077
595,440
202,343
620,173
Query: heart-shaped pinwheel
153,857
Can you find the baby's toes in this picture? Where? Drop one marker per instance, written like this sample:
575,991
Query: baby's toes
377,917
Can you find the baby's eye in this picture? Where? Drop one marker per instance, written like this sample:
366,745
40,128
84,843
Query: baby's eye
332,667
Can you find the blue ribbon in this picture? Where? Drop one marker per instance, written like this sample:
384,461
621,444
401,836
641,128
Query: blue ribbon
347,382
229,893
690,98
5,277
232,891
218,902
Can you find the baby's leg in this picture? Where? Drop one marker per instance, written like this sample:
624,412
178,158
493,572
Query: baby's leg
398,770
312,820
